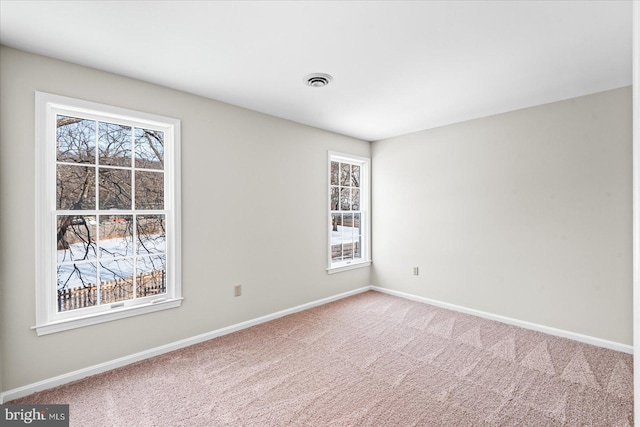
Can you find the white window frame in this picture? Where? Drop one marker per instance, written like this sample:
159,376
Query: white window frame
365,208
48,319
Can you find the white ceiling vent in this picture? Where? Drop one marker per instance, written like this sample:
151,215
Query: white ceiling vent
317,79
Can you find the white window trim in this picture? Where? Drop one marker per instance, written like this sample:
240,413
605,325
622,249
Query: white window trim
354,265
365,203
48,320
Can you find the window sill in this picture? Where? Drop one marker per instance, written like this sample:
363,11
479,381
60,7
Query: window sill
92,319
348,267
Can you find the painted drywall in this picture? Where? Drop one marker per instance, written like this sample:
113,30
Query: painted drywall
526,214
636,205
253,213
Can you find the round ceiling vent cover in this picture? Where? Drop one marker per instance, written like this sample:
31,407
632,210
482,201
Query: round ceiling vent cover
317,79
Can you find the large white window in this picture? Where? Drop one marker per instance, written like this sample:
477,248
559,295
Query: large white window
349,220
107,213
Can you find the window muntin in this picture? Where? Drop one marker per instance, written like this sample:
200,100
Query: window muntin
348,210
107,208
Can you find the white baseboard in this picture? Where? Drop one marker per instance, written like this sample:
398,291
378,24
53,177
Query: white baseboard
612,345
127,360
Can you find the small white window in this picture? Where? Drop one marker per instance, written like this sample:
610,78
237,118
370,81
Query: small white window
349,220
107,212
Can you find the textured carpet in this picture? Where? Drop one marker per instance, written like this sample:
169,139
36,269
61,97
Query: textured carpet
368,360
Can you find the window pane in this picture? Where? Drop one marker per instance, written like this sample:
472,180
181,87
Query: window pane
347,228
149,190
151,234
152,272
116,280
347,236
114,144
355,176
76,286
75,187
81,274
75,140
355,199
335,197
345,173
76,238
345,196
335,173
357,235
116,235
336,221
347,250
115,189
336,236
336,252
149,149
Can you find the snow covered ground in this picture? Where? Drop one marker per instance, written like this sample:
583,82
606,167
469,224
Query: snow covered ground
85,270
344,235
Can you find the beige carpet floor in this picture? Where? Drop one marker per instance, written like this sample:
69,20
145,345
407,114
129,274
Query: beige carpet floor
368,360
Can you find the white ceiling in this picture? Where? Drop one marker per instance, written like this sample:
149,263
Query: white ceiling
398,66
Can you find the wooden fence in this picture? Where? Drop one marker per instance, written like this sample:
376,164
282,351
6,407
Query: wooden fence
345,251
151,283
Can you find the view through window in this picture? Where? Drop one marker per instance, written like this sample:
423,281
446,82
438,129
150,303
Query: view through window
110,225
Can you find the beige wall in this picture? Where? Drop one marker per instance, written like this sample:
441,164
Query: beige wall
253,212
526,214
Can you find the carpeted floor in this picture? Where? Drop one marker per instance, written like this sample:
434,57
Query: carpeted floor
368,360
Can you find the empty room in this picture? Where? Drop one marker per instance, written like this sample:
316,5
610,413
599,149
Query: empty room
318,213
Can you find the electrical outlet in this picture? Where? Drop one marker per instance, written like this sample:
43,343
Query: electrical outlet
237,290
416,271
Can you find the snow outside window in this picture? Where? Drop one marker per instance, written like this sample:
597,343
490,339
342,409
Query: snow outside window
348,212
107,213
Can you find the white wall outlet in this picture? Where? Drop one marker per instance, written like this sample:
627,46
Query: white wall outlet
416,271
237,290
